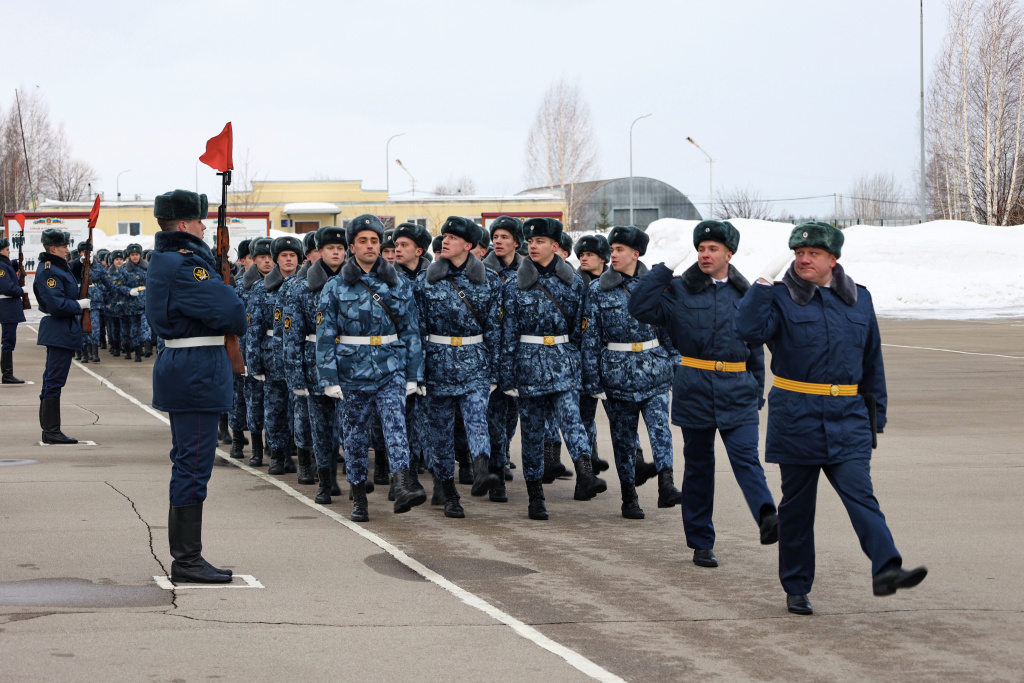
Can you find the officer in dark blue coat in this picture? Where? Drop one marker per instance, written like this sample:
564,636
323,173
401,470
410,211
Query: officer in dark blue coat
828,398
60,330
11,311
191,309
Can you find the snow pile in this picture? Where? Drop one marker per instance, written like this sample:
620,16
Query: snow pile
939,269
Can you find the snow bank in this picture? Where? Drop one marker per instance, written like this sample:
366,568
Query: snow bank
938,270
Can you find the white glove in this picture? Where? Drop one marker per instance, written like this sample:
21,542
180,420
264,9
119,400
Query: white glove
83,303
672,263
773,268
514,393
259,378
134,291
334,391
410,388
300,392
602,396
493,387
421,389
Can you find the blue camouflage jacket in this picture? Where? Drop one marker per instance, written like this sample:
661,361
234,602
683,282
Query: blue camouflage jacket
699,318
244,289
458,370
99,282
536,369
492,262
622,375
821,335
11,310
57,291
264,352
130,276
347,309
300,315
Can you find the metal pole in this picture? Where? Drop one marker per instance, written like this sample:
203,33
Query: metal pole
631,166
387,168
924,210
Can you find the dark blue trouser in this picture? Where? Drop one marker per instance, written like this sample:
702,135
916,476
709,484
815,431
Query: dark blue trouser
441,413
131,330
852,481
624,423
55,374
502,417
563,409
323,414
699,479
588,413
8,337
113,329
389,403
237,415
193,443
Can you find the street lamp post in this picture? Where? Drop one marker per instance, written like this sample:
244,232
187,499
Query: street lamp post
387,167
711,179
631,166
118,182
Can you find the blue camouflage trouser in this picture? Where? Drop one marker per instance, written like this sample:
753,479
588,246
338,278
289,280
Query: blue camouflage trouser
416,426
441,411
564,409
237,415
253,389
339,424
276,412
300,422
588,413
147,332
389,403
94,336
376,432
131,330
551,432
624,423
322,417
502,416
113,330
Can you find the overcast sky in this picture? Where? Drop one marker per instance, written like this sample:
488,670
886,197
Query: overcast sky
791,97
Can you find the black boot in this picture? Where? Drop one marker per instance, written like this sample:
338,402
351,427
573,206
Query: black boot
306,469
381,469
553,467
498,494
7,368
596,462
138,354
668,495
223,435
148,348
360,509
407,494
483,479
630,503
49,421
465,467
335,489
535,489
94,354
127,353
83,355
276,458
590,485
185,534
78,355
452,502
257,450
103,336
323,492
437,497
642,471
289,461
237,444
115,349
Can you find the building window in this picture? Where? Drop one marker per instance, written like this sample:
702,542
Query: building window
422,222
128,228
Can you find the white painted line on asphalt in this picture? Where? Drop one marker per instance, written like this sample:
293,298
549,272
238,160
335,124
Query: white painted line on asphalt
573,658
23,384
965,353
250,582
69,446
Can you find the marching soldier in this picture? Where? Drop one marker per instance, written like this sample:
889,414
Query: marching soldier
101,258
827,404
116,305
236,418
131,284
191,310
368,346
387,246
717,386
483,246
311,253
99,284
262,264
11,312
435,246
60,330
540,360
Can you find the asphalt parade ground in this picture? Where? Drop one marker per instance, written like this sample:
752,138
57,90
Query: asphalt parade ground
586,594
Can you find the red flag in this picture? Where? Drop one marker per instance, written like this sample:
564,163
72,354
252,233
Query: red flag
21,220
95,213
218,151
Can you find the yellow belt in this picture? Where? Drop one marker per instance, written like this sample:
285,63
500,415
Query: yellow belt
816,389
720,366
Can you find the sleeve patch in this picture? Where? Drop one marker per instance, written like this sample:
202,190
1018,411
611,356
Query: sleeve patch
586,324
51,283
319,318
288,322
3,273
200,274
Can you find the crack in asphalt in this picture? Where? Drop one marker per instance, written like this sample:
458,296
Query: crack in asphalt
152,551
97,420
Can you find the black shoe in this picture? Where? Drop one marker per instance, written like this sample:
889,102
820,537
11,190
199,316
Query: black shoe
78,355
289,460
769,527
506,472
407,494
127,353
82,356
553,468
223,435
589,484
115,350
642,470
237,443
7,368
466,474
498,494
148,348
391,491
49,421
360,509
276,461
381,469
705,558
798,604
483,479
335,489
437,497
138,354
307,470
94,354
323,493
257,450
452,502
535,489
596,462
184,534
888,581
630,503
668,494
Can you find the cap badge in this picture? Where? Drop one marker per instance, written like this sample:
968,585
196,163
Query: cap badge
805,234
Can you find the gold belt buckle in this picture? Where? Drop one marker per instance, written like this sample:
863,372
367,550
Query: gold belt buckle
456,341
834,390
638,347
375,341
719,365
549,340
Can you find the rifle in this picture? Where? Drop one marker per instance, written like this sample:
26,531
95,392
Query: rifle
223,247
87,266
26,303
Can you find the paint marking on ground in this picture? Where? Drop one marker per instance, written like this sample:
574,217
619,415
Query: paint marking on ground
250,581
965,353
69,446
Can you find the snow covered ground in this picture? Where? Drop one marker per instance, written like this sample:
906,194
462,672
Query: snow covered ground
938,270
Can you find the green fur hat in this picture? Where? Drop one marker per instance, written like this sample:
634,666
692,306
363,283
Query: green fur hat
512,226
462,227
181,205
330,234
260,246
283,244
817,234
417,233
631,236
595,244
543,227
717,231
52,237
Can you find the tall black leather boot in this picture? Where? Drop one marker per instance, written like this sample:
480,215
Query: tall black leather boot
630,503
289,461
185,534
381,469
323,493
237,444
49,421
668,494
535,490
7,368
483,479
642,470
103,336
465,467
596,462
257,450
138,353
335,489
276,458
78,355
407,495
452,502
83,355
437,497
306,468
498,494
360,509
553,467
127,352
148,348
94,354
223,435
115,349
590,485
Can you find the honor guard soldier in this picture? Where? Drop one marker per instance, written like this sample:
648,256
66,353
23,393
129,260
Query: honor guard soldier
262,264
458,303
11,311
191,309
302,436
116,304
60,330
540,358
99,285
629,365
132,288
368,346
827,404
101,258
264,352
717,386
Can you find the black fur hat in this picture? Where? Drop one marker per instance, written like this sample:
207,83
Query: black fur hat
102,255
52,237
417,233
116,254
146,254
718,231
543,227
181,205
4,243
512,226
485,237
389,240
817,234
309,242
365,222
435,246
243,249
462,227
565,242
595,244
260,246
133,249
330,234
630,235
285,243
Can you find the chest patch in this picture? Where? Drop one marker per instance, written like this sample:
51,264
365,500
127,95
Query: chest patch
277,315
586,324
200,274
51,283
288,322
319,318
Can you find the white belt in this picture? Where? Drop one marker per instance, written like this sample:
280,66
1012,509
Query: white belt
8,296
270,333
311,338
368,341
546,340
455,341
190,342
635,347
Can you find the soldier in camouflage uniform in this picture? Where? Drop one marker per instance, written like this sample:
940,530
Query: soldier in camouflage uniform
257,345
114,302
99,282
131,286
311,250
368,345
262,264
540,359
237,416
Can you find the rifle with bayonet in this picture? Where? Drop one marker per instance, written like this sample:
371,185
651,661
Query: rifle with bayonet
19,241
224,266
87,266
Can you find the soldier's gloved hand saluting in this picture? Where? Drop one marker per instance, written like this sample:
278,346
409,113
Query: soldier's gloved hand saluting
773,268
334,392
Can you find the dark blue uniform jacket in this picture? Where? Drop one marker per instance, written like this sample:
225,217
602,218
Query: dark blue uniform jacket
10,293
57,291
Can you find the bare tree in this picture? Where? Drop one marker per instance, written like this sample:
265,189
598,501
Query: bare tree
561,149
876,197
34,122
246,183
742,202
63,177
452,186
